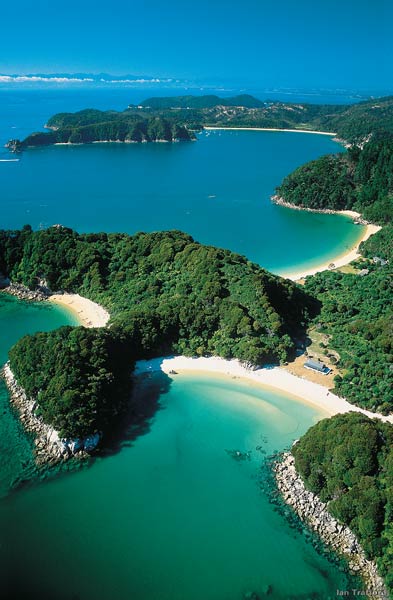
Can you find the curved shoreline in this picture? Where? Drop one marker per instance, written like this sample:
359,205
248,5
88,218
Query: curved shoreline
277,378
338,261
341,259
88,313
212,128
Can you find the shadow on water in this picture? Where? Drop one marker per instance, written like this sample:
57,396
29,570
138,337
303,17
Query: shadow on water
145,403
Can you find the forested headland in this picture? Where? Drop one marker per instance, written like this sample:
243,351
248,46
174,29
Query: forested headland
166,294
347,461
91,125
176,118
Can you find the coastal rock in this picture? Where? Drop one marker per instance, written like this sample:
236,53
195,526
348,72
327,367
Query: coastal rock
24,293
327,211
315,514
49,447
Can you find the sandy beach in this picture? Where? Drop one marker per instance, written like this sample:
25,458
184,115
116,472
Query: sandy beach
268,129
88,313
277,378
338,261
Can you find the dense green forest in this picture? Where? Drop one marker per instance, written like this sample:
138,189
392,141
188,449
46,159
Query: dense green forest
80,377
348,461
94,125
361,180
174,118
357,312
165,292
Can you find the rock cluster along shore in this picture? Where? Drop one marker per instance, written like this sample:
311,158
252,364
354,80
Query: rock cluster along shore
337,536
24,293
49,446
327,211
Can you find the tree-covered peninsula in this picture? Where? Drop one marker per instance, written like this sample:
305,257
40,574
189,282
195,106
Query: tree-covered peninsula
347,461
166,294
91,125
358,179
80,378
175,118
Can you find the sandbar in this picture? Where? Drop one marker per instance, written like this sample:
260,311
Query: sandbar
88,313
274,377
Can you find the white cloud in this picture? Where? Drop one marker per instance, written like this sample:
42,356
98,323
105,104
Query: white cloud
40,79
71,79
136,80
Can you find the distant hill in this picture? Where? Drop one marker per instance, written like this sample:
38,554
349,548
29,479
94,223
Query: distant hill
355,124
175,118
207,101
92,125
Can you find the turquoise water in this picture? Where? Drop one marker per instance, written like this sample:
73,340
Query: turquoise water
16,320
171,515
217,189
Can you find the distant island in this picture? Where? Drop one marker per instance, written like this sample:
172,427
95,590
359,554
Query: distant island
177,118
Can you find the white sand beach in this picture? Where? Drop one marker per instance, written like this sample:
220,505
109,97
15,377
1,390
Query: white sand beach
338,261
268,129
272,377
89,313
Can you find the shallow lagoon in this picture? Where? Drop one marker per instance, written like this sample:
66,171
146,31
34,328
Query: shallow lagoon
171,514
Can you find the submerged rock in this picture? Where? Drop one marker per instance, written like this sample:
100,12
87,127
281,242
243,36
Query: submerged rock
239,455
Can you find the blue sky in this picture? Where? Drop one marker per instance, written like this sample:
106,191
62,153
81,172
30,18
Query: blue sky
283,43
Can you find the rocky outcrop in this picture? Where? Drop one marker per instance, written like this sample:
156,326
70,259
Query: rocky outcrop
337,536
49,446
327,211
24,293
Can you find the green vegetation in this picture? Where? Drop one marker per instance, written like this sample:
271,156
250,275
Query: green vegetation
166,293
94,125
207,101
325,183
173,118
356,311
361,180
348,461
80,377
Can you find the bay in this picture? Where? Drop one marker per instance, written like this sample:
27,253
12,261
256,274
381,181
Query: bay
217,189
172,514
